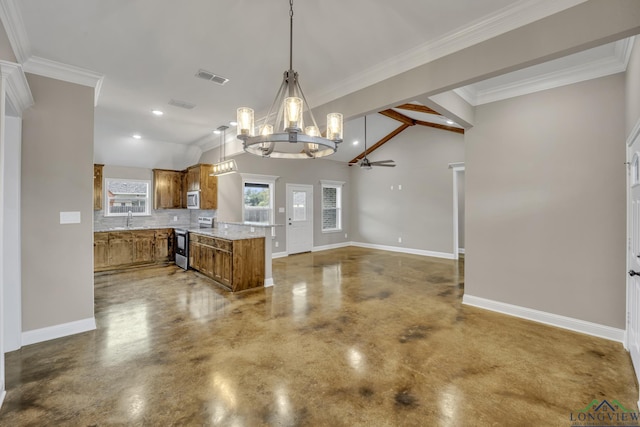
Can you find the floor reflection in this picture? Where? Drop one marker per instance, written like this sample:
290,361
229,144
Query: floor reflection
127,333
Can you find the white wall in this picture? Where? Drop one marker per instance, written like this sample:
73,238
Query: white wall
57,176
421,214
545,202
11,274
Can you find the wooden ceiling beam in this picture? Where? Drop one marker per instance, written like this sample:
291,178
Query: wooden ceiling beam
398,116
418,108
439,126
378,144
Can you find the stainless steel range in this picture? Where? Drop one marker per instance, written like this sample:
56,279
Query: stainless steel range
182,248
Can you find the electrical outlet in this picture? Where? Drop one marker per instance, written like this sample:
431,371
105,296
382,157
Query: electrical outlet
392,188
399,239
175,218
277,244
399,187
253,229
345,235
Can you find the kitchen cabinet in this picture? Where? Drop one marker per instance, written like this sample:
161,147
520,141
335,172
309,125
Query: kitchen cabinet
168,189
97,187
198,179
100,250
120,248
113,250
164,240
143,246
235,264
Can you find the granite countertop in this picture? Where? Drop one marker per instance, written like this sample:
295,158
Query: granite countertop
138,228
250,225
224,234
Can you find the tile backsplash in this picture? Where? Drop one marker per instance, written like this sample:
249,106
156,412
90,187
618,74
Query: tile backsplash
158,218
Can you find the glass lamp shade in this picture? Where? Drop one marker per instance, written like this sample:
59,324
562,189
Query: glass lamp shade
312,131
245,121
292,113
334,126
266,130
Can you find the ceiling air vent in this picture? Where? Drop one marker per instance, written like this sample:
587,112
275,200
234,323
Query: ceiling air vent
182,104
208,75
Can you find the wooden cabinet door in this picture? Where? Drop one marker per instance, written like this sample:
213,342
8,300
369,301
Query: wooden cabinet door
194,256
120,248
97,187
163,245
208,188
100,251
223,267
193,178
143,246
167,189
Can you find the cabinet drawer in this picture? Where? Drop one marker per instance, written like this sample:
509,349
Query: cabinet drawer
225,245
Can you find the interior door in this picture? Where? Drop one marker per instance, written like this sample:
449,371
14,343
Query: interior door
633,259
299,218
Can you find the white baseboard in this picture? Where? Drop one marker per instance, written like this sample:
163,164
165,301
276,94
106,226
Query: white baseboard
58,331
404,250
279,255
3,394
268,282
333,246
563,322
461,250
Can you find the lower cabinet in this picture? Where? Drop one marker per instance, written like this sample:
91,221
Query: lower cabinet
114,250
235,264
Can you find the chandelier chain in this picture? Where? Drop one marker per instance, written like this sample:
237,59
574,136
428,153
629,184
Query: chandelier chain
290,34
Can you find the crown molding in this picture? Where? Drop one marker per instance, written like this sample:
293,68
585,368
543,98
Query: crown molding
520,13
68,73
18,92
14,26
616,63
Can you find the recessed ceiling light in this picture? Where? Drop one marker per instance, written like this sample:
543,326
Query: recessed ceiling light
450,122
355,142
137,136
233,123
217,132
157,112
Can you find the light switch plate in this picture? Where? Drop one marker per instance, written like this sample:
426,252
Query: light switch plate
69,217
280,210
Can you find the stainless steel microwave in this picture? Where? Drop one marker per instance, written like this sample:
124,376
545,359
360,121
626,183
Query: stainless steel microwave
193,200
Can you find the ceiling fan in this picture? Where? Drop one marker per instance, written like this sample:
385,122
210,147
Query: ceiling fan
365,163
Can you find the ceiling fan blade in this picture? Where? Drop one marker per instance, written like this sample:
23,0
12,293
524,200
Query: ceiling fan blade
384,161
384,164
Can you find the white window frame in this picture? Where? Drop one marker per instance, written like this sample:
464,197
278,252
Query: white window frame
148,203
338,185
261,179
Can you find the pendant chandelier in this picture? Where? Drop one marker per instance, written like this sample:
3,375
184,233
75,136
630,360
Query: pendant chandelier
224,166
283,134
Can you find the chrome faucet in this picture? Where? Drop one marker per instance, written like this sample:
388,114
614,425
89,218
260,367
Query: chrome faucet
129,218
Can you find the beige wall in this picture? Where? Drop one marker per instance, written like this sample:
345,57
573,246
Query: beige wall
422,212
545,206
57,171
633,88
307,171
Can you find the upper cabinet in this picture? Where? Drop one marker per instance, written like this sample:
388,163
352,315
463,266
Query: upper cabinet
168,189
97,187
198,179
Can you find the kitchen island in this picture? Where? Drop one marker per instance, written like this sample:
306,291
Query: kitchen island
234,259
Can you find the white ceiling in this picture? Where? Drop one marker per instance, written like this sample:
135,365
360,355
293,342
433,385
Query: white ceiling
148,51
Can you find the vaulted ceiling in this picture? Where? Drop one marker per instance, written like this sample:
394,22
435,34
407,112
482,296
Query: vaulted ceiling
142,54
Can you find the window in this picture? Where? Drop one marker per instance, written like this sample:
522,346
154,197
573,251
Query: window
331,205
258,196
126,195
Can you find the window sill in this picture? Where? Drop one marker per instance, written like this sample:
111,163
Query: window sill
333,230
124,216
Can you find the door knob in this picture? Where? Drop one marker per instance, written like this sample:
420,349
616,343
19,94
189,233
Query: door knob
633,273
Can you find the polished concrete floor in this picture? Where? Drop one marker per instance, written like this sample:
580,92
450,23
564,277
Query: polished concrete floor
348,337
